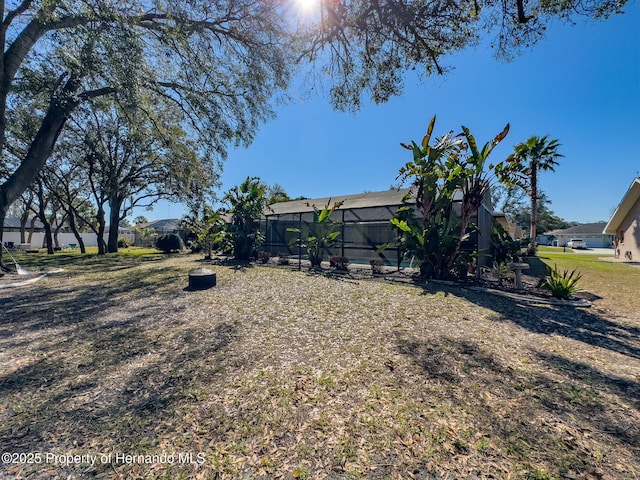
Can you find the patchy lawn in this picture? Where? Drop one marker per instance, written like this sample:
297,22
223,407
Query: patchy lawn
613,285
276,373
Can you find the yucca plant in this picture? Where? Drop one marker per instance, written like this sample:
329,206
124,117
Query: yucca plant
561,285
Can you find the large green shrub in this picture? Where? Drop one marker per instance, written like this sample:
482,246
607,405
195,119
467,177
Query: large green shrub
205,230
169,242
123,242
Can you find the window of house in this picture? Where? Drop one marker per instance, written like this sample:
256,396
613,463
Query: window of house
621,236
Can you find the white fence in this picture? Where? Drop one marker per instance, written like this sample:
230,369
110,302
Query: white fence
65,239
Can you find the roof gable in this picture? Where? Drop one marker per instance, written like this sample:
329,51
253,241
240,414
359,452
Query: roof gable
167,224
624,207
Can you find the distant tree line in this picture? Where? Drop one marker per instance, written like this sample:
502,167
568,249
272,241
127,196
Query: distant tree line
514,203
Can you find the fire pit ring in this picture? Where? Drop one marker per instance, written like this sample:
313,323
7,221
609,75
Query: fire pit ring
201,278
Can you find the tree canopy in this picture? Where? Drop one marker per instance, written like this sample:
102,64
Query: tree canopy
365,47
219,62
515,203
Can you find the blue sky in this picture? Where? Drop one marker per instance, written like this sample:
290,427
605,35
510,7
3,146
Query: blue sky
581,85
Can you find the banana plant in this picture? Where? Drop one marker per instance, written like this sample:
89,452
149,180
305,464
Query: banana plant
432,232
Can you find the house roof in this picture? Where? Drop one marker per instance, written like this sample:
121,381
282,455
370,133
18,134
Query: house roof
359,200
626,204
166,224
582,229
15,223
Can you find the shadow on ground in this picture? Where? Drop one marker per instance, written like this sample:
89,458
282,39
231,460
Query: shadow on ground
105,359
563,422
579,324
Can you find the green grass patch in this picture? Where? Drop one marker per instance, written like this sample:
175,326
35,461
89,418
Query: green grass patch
73,259
587,262
545,249
612,285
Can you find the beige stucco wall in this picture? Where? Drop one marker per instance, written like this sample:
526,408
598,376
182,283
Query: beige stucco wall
629,235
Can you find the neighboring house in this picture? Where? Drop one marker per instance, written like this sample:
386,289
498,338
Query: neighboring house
515,231
592,233
13,225
624,224
546,239
170,225
160,227
365,225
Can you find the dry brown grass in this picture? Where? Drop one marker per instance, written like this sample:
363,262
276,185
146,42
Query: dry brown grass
276,373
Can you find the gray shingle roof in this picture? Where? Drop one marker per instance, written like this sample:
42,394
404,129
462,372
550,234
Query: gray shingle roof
15,223
359,200
165,224
582,229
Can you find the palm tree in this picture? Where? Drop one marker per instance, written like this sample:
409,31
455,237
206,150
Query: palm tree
537,154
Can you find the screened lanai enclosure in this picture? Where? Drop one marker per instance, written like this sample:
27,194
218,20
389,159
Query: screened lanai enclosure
364,227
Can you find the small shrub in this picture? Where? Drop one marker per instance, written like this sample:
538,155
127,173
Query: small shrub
461,265
170,242
502,272
339,263
263,257
123,242
194,247
283,258
561,285
377,266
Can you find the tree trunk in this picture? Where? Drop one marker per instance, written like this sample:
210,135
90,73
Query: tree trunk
23,225
534,209
56,223
100,233
115,204
39,151
56,233
74,229
32,228
41,146
3,214
48,237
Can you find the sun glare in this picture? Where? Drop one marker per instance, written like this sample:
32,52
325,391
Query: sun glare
308,8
